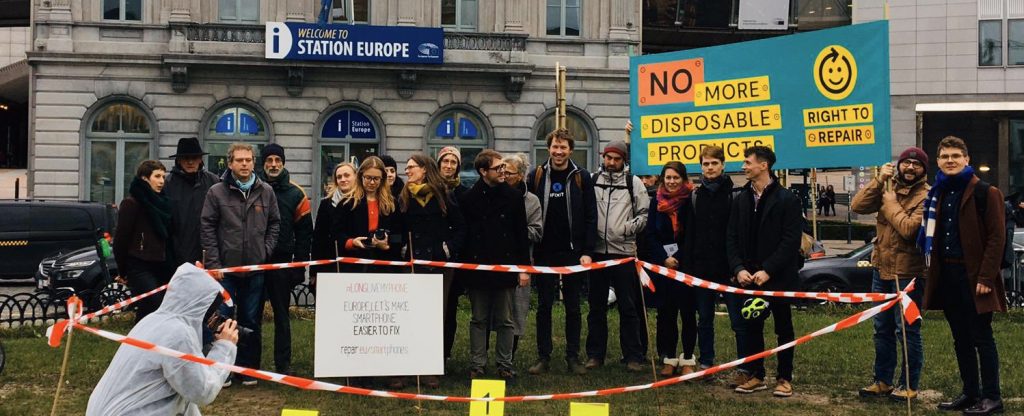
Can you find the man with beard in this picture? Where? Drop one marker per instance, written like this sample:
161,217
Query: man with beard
186,188
293,244
899,212
622,206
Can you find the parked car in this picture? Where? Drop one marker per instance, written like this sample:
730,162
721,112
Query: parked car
79,270
850,272
31,230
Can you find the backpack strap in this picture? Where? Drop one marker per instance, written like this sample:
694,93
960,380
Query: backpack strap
538,174
981,197
629,187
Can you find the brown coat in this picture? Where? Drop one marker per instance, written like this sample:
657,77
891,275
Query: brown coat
982,240
135,236
896,252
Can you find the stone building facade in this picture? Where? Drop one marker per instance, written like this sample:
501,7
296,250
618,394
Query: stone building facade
114,82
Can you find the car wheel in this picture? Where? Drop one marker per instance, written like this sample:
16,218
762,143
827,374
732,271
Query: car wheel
828,285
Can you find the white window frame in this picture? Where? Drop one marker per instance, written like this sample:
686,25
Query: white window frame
458,26
563,10
120,140
238,6
121,10
349,5
1009,11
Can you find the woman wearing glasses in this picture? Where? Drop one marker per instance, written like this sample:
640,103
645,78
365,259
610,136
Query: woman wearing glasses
433,223
369,228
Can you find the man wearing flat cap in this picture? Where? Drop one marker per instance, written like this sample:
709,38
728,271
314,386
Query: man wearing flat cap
186,188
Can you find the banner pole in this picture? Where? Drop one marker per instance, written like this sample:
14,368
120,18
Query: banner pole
814,202
647,333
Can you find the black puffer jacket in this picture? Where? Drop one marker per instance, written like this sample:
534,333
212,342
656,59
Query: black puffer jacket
704,253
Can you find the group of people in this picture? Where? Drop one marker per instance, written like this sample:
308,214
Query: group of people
826,200
558,214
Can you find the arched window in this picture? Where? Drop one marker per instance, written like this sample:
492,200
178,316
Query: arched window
233,123
347,133
118,138
463,129
581,130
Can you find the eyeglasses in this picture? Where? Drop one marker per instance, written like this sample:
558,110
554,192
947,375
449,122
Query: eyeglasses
499,168
372,179
511,173
912,162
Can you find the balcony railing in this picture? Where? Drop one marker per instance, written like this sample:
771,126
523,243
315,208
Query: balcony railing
219,32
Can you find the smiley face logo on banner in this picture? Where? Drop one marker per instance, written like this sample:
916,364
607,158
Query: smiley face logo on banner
835,72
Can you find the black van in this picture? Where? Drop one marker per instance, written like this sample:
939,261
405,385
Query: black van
31,230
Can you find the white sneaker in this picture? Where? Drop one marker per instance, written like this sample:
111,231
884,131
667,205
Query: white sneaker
227,383
249,382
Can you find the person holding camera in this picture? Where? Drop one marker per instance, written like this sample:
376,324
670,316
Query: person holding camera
370,229
143,382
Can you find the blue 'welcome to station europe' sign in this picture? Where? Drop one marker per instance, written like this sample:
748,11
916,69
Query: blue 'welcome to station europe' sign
354,43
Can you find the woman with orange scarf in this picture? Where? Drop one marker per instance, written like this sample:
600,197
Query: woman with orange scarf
664,234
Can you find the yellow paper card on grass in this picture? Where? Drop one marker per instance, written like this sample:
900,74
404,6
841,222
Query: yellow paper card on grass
294,412
487,388
588,409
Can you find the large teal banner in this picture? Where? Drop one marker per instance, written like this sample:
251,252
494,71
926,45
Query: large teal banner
820,99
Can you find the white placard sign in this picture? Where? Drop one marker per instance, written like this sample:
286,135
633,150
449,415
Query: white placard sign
763,15
378,325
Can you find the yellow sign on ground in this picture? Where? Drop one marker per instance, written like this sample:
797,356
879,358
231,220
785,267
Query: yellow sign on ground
732,120
688,151
732,91
588,409
841,136
487,388
293,412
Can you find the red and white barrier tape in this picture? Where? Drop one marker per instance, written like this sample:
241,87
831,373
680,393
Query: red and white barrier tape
307,384
444,264
833,297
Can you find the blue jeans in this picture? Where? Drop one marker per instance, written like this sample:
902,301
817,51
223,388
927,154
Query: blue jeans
889,331
246,292
734,303
706,301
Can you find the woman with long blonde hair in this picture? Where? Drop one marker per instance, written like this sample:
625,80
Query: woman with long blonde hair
370,227
343,182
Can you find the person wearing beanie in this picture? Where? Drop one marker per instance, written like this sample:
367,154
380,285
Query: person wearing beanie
395,183
293,244
449,161
622,207
896,195
186,187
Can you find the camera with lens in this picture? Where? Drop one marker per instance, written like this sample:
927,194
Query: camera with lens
381,235
217,319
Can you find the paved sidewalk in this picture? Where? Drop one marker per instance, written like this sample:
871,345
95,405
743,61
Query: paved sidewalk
7,178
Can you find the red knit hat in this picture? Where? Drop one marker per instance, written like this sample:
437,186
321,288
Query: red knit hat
914,153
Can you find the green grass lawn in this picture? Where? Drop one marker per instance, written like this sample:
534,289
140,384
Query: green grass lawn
829,370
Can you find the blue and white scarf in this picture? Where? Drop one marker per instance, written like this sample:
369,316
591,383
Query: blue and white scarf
926,235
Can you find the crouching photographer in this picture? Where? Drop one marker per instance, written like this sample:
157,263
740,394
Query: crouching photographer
143,382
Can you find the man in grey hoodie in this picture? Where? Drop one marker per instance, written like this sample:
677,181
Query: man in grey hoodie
622,206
